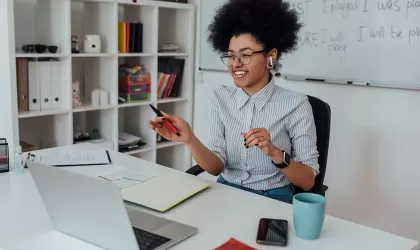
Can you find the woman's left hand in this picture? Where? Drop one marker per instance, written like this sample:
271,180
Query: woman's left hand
260,137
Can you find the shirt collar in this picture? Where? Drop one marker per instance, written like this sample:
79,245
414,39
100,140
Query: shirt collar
259,99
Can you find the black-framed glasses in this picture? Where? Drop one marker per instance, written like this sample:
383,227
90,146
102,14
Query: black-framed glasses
244,57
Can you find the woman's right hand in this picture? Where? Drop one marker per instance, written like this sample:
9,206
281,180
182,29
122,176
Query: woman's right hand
184,129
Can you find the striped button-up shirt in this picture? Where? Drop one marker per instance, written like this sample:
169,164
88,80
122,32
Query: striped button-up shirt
286,115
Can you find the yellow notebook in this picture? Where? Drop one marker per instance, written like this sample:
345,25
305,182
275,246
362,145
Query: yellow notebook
163,191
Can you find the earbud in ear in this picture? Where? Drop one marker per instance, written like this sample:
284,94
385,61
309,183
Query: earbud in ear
271,60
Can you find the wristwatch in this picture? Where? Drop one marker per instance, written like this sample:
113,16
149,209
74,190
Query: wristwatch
286,161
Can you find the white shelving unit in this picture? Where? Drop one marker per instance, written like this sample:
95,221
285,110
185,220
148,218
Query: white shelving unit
53,22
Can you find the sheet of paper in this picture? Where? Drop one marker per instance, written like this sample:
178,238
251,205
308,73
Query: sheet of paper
126,177
125,183
73,157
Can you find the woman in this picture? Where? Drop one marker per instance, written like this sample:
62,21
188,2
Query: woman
262,137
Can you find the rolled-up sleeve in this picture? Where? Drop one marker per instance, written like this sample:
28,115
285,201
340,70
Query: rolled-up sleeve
216,141
303,136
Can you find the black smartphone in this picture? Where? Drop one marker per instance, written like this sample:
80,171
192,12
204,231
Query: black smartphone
273,232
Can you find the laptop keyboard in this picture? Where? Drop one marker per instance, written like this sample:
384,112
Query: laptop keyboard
147,240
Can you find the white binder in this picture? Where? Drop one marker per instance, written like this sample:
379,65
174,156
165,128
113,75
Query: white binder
56,85
33,86
45,83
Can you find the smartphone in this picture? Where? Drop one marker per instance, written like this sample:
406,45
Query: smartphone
273,232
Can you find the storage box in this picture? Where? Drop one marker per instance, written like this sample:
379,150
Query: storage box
4,155
143,96
134,89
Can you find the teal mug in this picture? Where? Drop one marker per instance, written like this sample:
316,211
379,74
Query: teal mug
308,215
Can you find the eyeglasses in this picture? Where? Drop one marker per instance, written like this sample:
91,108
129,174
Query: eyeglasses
243,57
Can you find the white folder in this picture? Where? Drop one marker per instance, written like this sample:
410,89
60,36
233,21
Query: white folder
33,86
45,83
56,85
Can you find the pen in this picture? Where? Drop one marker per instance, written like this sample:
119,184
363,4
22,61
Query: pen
171,127
104,178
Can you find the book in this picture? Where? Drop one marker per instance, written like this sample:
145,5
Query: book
164,191
173,69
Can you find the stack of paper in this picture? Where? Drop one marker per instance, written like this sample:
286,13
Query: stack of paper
128,142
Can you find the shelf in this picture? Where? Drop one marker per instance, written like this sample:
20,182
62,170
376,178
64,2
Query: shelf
175,28
135,54
172,99
162,4
94,1
167,144
90,107
43,55
37,113
146,14
42,22
178,54
104,120
134,104
95,18
93,54
46,131
142,149
53,22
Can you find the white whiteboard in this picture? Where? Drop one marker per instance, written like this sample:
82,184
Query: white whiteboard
363,41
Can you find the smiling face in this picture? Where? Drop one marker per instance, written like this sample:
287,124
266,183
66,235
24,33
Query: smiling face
252,73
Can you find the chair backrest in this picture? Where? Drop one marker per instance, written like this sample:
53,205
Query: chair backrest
322,116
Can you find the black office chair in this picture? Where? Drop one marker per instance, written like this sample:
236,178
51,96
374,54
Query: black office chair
322,116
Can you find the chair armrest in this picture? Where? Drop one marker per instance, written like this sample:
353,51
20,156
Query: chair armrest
196,170
321,190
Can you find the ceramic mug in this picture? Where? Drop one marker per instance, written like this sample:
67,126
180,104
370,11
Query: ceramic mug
308,215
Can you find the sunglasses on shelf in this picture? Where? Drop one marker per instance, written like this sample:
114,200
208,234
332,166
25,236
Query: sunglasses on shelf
39,48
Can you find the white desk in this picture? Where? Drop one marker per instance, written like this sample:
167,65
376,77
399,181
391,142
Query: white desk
219,213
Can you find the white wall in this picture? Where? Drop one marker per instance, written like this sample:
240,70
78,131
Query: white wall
7,65
373,169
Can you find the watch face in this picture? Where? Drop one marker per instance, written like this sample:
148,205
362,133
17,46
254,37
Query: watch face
286,158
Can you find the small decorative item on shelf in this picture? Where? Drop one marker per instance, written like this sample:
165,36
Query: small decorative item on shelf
100,97
95,134
4,155
75,44
76,94
103,97
78,137
168,48
92,44
134,84
95,99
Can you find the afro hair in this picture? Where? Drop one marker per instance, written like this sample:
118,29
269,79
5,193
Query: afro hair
271,22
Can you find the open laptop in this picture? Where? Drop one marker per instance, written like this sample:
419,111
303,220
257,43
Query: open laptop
92,210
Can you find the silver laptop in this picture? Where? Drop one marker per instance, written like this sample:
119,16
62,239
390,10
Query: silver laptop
92,210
